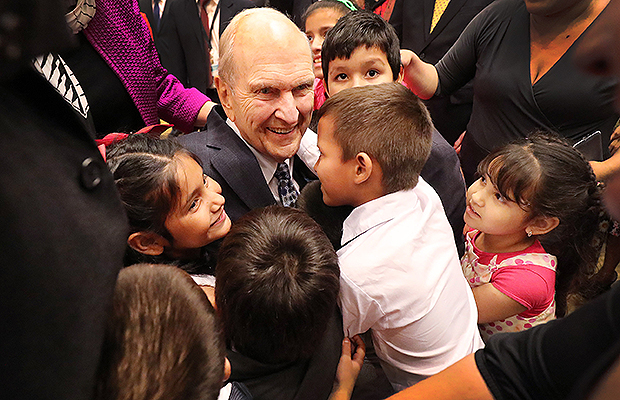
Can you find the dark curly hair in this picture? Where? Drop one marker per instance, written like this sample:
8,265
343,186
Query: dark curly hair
547,177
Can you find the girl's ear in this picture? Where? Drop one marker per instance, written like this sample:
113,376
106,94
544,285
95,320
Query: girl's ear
363,167
542,225
148,243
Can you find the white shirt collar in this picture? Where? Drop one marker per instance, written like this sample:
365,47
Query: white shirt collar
377,212
267,164
225,392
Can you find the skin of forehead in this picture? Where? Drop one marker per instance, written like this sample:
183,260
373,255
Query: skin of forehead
264,32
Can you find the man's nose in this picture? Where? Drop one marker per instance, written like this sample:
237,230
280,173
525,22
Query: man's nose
287,108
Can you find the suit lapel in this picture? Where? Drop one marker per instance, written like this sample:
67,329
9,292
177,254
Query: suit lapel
226,14
247,182
453,8
164,15
59,109
427,12
301,173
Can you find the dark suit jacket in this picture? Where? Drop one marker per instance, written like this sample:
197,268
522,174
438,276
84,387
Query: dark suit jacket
179,41
62,241
230,8
228,160
180,37
412,21
293,8
309,379
442,171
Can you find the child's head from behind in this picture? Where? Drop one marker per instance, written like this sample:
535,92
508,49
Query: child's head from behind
161,340
556,192
377,135
317,20
173,208
361,49
277,283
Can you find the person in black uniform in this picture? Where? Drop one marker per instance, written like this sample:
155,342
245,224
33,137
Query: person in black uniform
63,227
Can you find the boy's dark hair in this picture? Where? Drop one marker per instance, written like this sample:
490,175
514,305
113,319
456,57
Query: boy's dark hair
335,5
387,122
277,283
145,174
356,29
161,340
547,177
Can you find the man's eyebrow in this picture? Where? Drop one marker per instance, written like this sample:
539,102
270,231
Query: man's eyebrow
260,84
309,82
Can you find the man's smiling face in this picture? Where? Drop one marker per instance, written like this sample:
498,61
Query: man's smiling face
271,98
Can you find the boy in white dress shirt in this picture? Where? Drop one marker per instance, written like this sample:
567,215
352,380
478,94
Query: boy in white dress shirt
400,272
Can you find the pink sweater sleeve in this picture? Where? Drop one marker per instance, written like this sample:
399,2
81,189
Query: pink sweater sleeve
122,37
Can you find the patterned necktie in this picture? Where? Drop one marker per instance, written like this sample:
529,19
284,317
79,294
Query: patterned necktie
287,191
440,7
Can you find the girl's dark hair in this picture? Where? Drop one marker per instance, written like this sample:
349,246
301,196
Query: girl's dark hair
162,340
335,5
545,176
145,174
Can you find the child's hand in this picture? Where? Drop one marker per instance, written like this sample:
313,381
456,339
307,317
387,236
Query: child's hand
348,368
408,59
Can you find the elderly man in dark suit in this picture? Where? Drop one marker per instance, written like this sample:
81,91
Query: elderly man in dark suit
265,85
429,29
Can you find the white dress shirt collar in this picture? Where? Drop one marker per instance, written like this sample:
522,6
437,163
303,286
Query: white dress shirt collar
267,164
377,212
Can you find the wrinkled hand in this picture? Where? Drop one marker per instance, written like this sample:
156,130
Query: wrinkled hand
349,367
